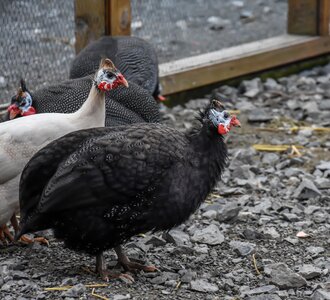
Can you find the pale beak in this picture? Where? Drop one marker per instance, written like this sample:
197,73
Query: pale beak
125,83
161,98
12,114
122,80
235,122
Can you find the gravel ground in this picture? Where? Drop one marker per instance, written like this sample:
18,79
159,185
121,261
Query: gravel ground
242,243
188,28
37,36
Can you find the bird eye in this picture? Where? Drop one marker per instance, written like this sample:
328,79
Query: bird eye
110,75
225,115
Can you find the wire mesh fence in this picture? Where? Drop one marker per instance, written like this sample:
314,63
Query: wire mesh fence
36,42
37,36
182,28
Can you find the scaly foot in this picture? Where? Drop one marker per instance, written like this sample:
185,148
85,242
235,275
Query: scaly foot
26,240
131,266
106,275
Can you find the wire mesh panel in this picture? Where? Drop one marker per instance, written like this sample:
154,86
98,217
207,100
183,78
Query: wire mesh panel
36,43
37,36
181,28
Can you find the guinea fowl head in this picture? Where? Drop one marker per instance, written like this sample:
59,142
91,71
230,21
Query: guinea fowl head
108,77
21,103
218,119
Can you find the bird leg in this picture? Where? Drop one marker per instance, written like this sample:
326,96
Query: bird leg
14,223
24,238
130,265
2,237
6,233
101,269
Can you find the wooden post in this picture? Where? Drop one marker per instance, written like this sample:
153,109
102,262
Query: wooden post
90,22
324,17
118,17
308,17
95,18
302,17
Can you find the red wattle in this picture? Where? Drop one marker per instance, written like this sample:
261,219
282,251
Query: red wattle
14,111
101,85
104,86
29,112
222,129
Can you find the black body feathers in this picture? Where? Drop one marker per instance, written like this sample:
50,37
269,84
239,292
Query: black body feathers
123,105
134,57
118,182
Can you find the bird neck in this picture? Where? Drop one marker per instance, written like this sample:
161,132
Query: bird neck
93,107
203,138
212,156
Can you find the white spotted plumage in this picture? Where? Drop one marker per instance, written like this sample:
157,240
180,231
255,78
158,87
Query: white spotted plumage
21,138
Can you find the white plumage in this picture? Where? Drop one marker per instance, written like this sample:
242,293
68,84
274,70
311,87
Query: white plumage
21,138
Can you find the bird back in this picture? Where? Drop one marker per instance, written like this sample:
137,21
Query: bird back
123,105
135,57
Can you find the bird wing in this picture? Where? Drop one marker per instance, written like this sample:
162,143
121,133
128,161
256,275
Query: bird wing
43,165
22,137
64,97
115,168
138,62
16,145
8,169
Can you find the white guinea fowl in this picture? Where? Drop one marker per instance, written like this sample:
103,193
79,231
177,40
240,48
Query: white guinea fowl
21,138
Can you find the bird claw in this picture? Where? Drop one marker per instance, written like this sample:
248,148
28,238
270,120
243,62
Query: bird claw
150,269
107,275
26,240
126,278
41,240
104,275
134,267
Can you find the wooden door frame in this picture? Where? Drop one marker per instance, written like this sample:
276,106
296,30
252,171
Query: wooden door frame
308,36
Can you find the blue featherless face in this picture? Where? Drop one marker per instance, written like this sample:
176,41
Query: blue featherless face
223,121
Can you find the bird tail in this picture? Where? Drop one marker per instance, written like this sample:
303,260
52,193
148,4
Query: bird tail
33,224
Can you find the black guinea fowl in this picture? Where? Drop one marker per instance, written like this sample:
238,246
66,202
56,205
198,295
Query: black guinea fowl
135,57
97,188
123,105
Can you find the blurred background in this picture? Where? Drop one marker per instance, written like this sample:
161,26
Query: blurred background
37,37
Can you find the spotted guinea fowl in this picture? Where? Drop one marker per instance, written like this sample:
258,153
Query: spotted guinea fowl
123,105
135,57
97,188
21,104
23,137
